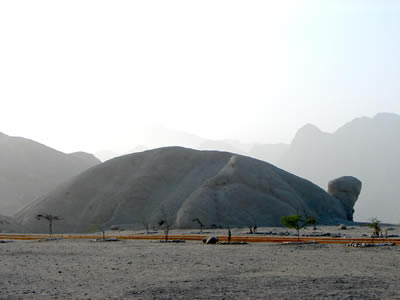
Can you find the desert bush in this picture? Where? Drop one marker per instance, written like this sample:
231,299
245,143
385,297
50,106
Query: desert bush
98,228
253,225
376,227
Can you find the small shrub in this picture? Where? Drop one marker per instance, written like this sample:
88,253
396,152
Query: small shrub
376,227
98,228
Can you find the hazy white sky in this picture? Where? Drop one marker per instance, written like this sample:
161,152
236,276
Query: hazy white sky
90,75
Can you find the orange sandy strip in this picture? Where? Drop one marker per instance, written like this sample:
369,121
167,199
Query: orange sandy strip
249,239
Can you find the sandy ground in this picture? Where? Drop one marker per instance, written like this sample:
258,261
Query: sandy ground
140,269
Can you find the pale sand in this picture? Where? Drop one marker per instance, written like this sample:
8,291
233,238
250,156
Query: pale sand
150,270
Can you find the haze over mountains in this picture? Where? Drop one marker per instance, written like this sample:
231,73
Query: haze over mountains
367,148
29,169
177,184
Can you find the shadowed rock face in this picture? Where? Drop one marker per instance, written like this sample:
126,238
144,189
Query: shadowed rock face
346,189
29,169
180,184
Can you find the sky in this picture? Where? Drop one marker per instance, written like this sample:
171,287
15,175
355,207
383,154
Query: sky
96,75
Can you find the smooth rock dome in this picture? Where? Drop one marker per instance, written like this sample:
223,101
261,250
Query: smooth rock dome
219,188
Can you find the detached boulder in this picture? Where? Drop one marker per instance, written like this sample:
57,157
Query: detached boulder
346,189
210,240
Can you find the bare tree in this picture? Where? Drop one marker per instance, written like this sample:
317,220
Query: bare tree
200,223
50,218
145,223
164,224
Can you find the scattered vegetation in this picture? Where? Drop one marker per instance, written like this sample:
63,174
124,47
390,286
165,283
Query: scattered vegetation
312,221
146,224
253,225
98,228
50,218
295,222
200,224
376,227
164,224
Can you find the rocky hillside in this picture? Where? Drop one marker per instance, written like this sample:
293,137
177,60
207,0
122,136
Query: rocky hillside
29,170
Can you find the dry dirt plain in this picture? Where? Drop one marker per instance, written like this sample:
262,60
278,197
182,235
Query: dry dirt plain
142,269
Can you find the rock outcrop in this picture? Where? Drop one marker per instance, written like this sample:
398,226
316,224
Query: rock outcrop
177,185
367,148
346,189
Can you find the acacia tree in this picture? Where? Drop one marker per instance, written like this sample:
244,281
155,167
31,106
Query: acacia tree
50,218
295,222
312,221
200,223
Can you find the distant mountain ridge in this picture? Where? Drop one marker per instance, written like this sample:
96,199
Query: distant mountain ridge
368,148
29,170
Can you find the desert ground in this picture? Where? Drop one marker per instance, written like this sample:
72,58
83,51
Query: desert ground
145,269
